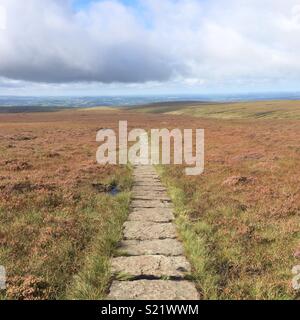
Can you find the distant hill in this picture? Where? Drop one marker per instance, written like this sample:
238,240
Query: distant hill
277,109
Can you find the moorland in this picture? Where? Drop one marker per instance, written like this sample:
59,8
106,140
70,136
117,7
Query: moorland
239,221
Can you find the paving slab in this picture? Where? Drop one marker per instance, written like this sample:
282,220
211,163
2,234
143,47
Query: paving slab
144,170
152,215
151,196
149,188
151,266
167,247
150,204
140,230
153,290
145,175
148,174
147,181
143,166
148,193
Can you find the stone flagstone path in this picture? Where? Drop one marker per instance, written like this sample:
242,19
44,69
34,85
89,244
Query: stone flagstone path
152,265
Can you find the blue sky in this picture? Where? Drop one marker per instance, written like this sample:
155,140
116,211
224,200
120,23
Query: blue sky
149,46
81,4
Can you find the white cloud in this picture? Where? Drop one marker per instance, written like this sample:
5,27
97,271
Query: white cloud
205,43
2,18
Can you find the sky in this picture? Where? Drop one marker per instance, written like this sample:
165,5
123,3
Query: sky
114,47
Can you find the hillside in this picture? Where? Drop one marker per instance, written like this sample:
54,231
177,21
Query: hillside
281,109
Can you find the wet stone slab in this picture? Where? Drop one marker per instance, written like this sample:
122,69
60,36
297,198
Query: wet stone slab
153,290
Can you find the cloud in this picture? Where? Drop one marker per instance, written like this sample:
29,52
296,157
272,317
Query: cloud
213,43
2,18
46,41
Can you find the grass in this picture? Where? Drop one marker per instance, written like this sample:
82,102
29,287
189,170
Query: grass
92,281
195,237
239,249
54,252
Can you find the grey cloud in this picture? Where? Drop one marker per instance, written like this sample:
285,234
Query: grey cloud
57,45
126,64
